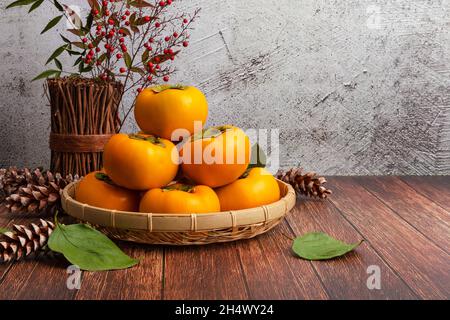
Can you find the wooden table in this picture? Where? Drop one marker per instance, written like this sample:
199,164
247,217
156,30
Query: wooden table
405,223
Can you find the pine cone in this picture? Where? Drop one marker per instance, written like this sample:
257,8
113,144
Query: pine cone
10,181
25,240
42,193
307,184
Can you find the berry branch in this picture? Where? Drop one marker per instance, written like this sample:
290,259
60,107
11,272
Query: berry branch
132,40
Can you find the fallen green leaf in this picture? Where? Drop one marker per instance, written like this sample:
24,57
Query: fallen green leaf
88,248
321,246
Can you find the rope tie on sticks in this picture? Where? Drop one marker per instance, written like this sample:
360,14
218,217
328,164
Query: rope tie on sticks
78,143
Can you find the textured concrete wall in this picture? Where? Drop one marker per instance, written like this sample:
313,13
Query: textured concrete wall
355,87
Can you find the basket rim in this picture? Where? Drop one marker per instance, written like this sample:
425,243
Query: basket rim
265,213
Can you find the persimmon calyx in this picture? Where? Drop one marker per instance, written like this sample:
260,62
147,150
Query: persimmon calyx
163,87
211,132
104,177
179,187
152,139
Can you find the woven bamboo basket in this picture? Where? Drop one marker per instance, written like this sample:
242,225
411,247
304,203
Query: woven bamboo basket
181,229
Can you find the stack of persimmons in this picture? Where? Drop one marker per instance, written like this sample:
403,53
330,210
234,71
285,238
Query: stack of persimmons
173,165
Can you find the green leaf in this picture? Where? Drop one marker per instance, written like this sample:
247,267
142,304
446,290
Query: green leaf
88,248
127,59
51,24
89,21
321,246
58,64
77,32
46,74
258,157
35,5
58,5
79,44
145,56
138,70
3,230
56,53
73,53
65,39
77,61
19,3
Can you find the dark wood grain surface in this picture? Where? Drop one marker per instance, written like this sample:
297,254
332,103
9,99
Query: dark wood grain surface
404,221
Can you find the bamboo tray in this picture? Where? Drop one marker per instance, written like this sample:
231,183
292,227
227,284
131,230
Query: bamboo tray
181,229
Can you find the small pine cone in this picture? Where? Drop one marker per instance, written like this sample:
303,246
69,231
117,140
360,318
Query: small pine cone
42,193
11,179
307,184
23,241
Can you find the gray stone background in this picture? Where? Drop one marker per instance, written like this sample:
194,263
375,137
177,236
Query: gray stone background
355,87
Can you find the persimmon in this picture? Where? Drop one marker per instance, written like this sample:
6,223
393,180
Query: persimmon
139,161
98,190
216,156
255,188
180,198
160,110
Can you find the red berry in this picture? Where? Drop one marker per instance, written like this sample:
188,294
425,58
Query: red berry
97,49
90,46
145,45
150,65
106,46
162,3
99,27
172,58
166,51
104,3
127,23
166,78
124,48
121,31
103,33
118,56
98,62
107,12
122,40
127,12
170,51
157,66
149,78
122,70
168,2
139,90
111,21
149,48
151,40
123,17
167,38
185,20
175,35
185,43
156,60
91,52
157,25
95,12
147,19
84,40
98,33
